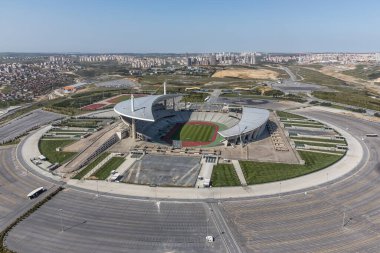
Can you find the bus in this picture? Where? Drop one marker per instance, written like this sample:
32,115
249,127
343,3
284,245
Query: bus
371,135
36,192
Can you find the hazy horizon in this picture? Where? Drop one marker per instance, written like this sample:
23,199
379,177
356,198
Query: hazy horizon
179,27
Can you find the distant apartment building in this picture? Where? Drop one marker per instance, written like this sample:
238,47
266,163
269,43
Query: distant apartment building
377,57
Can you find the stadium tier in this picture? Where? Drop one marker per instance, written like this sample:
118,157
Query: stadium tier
156,118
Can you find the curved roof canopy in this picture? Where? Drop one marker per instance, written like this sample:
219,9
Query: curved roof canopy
251,119
143,106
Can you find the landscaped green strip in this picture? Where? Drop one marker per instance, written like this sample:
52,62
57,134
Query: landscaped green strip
288,115
48,149
90,166
327,151
315,144
103,172
303,122
317,139
303,125
224,175
259,172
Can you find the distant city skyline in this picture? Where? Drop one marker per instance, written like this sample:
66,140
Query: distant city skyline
168,26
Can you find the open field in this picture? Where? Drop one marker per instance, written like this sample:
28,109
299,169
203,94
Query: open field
314,76
350,97
90,166
247,73
224,175
103,172
47,148
365,72
258,172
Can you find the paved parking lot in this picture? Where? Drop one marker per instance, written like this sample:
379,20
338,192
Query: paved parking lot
22,125
15,184
164,171
103,224
341,217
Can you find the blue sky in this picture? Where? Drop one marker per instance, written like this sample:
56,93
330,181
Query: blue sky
179,26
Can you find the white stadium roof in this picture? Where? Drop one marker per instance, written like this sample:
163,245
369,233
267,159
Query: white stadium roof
142,106
251,119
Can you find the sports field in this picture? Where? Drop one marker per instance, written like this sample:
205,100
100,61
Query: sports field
193,133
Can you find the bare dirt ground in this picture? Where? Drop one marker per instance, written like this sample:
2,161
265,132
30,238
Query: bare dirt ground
247,73
334,71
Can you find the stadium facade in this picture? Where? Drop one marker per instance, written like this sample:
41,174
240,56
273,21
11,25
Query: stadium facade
150,117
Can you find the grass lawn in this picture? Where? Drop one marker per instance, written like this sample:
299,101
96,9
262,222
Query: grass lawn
47,148
224,175
195,132
90,166
282,114
103,172
259,172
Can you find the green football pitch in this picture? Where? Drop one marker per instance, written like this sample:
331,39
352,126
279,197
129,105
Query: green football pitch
195,132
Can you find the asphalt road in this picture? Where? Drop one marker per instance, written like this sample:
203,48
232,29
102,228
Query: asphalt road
15,184
23,124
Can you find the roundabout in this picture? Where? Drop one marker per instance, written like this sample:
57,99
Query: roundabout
335,210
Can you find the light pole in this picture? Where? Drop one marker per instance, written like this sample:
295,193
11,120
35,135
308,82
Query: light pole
97,188
241,141
344,217
60,216
207,226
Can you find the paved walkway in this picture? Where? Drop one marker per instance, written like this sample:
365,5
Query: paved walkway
29,150
239,172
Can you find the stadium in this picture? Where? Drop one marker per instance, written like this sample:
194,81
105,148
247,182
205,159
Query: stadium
165,119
